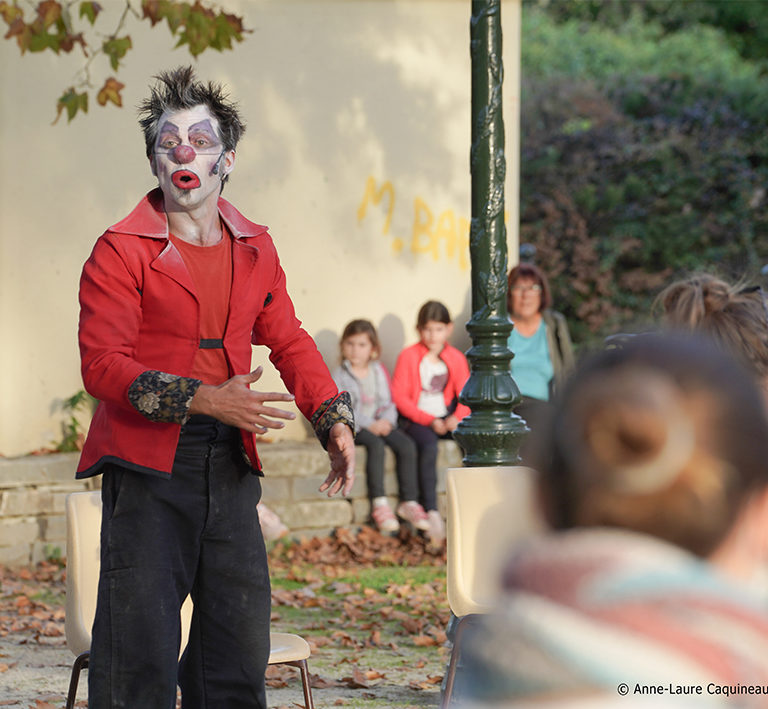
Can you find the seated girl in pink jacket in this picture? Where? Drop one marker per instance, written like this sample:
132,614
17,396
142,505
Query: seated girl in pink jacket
425,387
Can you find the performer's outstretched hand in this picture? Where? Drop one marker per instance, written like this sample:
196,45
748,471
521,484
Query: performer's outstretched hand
341,451
236,404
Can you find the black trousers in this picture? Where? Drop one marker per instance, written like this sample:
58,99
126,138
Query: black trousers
161,539
405,457
426,445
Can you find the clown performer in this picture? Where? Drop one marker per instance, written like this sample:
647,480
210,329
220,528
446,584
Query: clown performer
172,297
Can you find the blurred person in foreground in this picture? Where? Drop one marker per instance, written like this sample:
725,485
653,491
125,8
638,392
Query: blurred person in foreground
540,340
653,477
734,316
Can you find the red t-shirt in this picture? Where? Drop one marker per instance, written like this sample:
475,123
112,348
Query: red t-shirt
211,271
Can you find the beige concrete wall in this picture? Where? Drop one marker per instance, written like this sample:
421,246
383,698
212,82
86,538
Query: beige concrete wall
339,95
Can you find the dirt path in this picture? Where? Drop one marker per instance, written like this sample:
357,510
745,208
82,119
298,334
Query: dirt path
377,634
37,677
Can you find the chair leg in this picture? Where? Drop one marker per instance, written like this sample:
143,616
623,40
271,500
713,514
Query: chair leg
80,663
450,676
304,670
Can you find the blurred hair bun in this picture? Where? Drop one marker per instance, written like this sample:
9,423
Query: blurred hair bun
666,435
733,316
634,432
715,294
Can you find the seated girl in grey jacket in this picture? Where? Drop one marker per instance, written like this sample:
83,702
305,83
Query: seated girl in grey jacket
367,381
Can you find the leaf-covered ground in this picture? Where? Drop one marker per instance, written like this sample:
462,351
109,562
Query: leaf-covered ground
373,609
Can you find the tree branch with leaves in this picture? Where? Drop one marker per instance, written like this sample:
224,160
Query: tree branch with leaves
63,26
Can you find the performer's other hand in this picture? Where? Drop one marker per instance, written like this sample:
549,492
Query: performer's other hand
341,451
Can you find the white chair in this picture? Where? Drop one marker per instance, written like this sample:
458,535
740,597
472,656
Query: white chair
83,563
489,510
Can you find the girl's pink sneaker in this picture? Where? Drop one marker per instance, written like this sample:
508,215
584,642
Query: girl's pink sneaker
411,511
436,531
383,517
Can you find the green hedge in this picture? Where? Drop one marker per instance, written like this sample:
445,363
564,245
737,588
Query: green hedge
644,155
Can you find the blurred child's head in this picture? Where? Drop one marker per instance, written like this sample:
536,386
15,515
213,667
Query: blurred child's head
735,317
359,342
667,436
434,325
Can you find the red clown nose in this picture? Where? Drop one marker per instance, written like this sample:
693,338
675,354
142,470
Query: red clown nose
184,154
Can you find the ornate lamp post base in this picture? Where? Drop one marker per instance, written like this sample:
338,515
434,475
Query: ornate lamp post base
492,433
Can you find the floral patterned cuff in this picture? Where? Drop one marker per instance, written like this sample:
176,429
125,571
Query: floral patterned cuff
331,412
163,397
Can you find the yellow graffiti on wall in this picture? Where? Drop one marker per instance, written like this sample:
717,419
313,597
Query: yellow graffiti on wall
375,196
446,236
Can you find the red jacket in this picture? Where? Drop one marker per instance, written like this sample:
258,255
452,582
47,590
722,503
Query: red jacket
406,382
139,312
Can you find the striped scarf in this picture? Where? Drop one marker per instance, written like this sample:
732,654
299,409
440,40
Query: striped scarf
589,610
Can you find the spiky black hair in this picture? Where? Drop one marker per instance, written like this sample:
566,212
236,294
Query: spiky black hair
180,89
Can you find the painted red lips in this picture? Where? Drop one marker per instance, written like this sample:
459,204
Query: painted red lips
185,179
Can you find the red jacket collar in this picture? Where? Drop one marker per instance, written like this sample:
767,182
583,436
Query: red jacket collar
423,350
148,219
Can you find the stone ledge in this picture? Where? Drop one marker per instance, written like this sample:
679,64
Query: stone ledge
38,470
33,489
279,460
24,530
293,459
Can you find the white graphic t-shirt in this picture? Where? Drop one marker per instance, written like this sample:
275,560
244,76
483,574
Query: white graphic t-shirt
434,377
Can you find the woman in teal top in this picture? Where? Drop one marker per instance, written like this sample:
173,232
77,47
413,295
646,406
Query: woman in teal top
540,340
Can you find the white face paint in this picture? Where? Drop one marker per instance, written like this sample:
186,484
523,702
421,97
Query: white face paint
189,159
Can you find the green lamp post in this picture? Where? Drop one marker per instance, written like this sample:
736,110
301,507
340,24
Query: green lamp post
492,434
